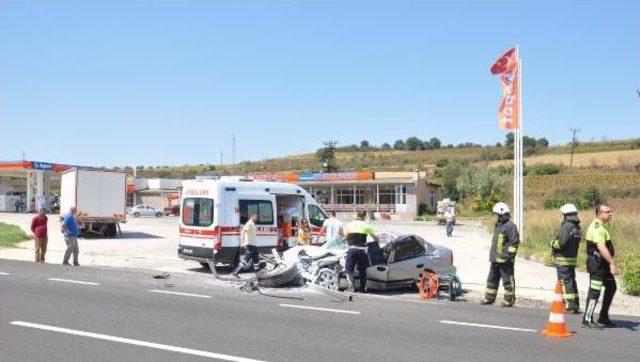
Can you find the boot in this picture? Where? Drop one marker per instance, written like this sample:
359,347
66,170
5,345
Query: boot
573,307
237,270
603,319
352,283
485,301
587,319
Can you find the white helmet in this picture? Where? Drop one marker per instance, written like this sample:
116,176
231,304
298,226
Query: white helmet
500,208
569,209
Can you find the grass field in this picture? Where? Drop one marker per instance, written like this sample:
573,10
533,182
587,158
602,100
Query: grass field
10,235
622,158
542,225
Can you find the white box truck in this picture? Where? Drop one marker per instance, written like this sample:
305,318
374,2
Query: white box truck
99,197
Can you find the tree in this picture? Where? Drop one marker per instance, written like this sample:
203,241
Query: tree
365,145
385,146
508,142
435,143
498,144
413,144
542,143
399,145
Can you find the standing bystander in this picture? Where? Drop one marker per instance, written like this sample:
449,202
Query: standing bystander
71,232
39,230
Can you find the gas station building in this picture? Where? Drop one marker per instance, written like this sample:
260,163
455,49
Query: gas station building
36,184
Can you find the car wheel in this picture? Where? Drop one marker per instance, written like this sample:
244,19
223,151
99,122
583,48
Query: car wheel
158,214
328,278
136,214
280,275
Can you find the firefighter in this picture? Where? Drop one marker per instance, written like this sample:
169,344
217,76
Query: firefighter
356,236
502,256
564,252
601,264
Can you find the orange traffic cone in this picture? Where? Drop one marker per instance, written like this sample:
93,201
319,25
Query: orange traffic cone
557,328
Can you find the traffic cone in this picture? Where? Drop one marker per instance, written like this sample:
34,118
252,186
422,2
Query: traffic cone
557,328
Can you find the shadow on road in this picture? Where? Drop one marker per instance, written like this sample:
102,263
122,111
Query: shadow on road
125,235
630,325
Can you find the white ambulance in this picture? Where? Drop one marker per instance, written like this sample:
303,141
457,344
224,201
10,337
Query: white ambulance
213,211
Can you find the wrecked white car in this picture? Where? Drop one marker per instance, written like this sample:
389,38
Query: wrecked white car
400,262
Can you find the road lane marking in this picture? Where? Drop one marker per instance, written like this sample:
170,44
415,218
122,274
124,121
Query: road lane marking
3,273
319,309
134,342
487,326
72,281
179,293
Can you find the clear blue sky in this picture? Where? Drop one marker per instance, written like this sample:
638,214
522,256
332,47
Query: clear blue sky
167,82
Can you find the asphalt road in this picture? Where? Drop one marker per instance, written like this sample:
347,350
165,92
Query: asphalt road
56,313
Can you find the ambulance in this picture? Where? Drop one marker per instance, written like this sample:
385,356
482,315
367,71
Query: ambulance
213,210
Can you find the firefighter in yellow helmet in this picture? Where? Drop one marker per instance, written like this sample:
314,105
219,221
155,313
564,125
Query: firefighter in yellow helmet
502,256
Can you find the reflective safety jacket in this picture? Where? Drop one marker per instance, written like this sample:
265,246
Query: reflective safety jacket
598,233
356,233
564,249
506,239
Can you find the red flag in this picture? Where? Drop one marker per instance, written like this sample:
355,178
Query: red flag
507,67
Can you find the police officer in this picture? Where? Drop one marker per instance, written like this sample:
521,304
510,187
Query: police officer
564,252
504,247
601,264
356,236
249,243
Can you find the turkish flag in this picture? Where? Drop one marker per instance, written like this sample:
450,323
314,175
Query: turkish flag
507,67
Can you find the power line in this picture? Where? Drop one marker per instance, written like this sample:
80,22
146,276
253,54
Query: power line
573,144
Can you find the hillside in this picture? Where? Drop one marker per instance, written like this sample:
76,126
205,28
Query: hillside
624,153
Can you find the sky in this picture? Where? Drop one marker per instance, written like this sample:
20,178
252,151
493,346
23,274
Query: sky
168,82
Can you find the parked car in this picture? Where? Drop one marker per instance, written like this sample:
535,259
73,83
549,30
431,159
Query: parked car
399,265
171,210
142,210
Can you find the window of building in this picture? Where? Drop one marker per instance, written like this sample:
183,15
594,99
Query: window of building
345,196
197,212
263,208
386,195
130,199
401,195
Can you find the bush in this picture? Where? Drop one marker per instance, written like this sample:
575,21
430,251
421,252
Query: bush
547,169
631,273
591,197
588,198
443,162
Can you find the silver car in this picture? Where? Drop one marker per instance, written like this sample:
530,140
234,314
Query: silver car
397,265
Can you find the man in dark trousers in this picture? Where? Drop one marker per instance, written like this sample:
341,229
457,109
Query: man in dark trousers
502,255
357,232
564,252
601,264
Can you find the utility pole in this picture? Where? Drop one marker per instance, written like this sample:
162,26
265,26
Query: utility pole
573,144
329,155
24,156
233,149
221,156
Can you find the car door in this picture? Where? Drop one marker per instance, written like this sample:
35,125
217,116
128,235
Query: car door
408,261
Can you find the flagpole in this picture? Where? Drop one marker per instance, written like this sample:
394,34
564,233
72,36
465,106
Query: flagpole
520,160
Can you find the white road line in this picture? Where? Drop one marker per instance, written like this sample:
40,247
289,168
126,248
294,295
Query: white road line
134,342
319,309
488,326
72,281
179,293
3,273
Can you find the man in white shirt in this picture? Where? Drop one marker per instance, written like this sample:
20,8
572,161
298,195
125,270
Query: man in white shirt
249,237
332,228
